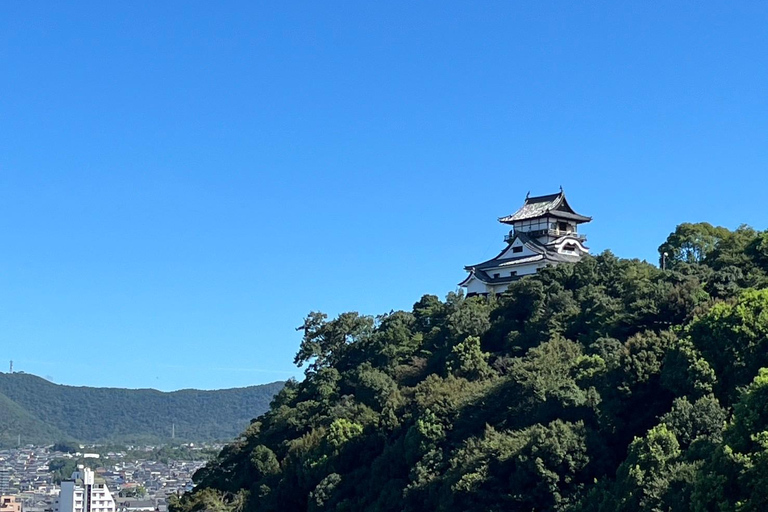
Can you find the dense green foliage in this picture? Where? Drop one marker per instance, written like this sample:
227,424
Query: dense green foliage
66,447
43,412
606,385
61,469
16,421
167,453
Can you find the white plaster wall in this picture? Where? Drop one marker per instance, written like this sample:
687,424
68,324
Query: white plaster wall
517,243
580,248
102,500
522,270
476,286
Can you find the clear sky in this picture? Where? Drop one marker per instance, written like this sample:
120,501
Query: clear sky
182,182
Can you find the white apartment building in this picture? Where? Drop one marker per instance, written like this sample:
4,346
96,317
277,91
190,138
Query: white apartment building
84,493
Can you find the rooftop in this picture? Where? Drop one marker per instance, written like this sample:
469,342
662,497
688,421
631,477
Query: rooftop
541,252
539,206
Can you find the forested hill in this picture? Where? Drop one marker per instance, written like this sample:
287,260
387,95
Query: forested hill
43,412
607,385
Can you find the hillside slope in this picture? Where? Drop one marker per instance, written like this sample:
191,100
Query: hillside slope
606,385
15,421
44,411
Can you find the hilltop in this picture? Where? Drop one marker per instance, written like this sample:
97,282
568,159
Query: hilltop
604,385
44,412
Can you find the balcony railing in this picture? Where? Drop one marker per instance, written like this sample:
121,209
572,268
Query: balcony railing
547,232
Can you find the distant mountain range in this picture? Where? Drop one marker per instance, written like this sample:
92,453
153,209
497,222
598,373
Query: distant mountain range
43,412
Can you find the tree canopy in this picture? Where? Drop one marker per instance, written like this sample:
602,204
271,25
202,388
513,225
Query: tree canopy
605,385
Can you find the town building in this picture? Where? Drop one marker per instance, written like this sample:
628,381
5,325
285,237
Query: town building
544,232
10,504
136,505
84,493
5,480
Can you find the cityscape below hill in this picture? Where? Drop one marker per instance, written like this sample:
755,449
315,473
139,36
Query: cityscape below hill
139,477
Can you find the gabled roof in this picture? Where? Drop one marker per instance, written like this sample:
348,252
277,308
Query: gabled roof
533,244
553,204
541,252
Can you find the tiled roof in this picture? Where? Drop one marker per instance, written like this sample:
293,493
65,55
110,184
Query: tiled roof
512,262
542,252
497,262
533,244
484,277
533,207
539,206
483,273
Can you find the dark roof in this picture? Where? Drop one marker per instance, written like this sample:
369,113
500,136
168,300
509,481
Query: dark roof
541,252
484,277
495,262
533,244
554,205
135,503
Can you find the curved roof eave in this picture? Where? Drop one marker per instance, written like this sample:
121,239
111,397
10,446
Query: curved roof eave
540,206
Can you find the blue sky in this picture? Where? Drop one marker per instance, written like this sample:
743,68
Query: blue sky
182,182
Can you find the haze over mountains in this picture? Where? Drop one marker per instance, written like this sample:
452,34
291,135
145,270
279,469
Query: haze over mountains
43,412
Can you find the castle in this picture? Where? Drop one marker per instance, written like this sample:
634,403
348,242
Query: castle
544,232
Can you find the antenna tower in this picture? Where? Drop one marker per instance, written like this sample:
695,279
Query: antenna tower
11,371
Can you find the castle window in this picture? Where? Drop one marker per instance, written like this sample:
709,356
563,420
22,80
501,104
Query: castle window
519,248
496,275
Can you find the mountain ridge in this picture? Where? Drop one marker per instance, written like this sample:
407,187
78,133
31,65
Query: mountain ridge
45,412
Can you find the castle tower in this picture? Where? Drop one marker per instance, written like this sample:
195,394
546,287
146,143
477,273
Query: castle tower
544,232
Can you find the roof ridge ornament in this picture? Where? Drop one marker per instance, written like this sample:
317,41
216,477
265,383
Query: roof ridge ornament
551,204
527,195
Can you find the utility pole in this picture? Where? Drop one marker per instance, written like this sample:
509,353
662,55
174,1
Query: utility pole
664,261
11,370
173,431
